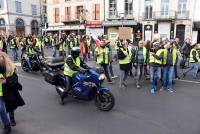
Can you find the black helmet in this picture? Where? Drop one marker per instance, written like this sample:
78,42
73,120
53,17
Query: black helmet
75,51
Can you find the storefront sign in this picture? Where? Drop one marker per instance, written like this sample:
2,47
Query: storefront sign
120,23
94,24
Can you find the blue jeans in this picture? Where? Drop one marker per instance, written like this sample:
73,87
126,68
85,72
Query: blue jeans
54,51
167,77
111,69
155,76
123,76
28,60
176,70
14,53
194,68
3,114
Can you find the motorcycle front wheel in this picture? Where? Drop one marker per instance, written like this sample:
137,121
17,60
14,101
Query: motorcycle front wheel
104,101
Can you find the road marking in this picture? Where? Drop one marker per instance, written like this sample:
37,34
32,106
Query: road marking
196,82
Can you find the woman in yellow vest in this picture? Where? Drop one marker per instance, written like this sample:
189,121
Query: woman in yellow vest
102,57
124,56
194,60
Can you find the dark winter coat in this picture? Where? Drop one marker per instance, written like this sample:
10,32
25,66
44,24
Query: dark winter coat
11,95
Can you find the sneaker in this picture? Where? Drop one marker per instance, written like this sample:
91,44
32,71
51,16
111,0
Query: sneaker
114,77
7,130
177,78
162,88
152,91
13,123
124,84
170,90
138,86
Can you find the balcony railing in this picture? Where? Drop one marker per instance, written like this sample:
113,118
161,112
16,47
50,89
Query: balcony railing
116,16
182,15
170,15
147,16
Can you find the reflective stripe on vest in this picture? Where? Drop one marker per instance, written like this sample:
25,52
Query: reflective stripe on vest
103,56
174,55
128,57
191,56
68,71
1,89
145,54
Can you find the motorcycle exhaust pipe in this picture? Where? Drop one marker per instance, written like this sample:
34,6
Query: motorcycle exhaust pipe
60,89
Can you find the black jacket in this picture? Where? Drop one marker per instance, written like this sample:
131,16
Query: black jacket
11,95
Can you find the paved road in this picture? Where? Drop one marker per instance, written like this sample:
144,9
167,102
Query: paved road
136,111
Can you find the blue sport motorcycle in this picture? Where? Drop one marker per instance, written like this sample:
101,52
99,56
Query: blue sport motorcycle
86,86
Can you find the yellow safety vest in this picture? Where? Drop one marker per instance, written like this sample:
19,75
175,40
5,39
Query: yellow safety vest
127,59
62,47
174,55
68,71
39,44
1,89
103,57
145,54
192,58
1,44
12,44
31,51
152,59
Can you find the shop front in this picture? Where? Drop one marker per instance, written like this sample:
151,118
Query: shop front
94,28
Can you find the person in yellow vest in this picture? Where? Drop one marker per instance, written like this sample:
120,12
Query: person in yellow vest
170,60
102,57
30,51
11,87
3,115
194,60
62,47
74,64
124,58
13,47
40,45
155,62
140,59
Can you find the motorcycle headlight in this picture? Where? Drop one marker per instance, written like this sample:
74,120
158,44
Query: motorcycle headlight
102,77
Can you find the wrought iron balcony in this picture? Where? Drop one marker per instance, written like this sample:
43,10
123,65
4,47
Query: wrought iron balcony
169,15
182,15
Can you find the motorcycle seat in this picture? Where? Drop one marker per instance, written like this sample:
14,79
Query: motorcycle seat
56,62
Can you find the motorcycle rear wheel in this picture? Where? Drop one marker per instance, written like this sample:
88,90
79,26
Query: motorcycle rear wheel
104,101
24,65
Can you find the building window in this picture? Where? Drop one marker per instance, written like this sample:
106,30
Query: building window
128,7
182,6
18,6
96,12
79,12
112,8
68,13
149,12
34,9
1,4
57,15
2,22
164,7
44,9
